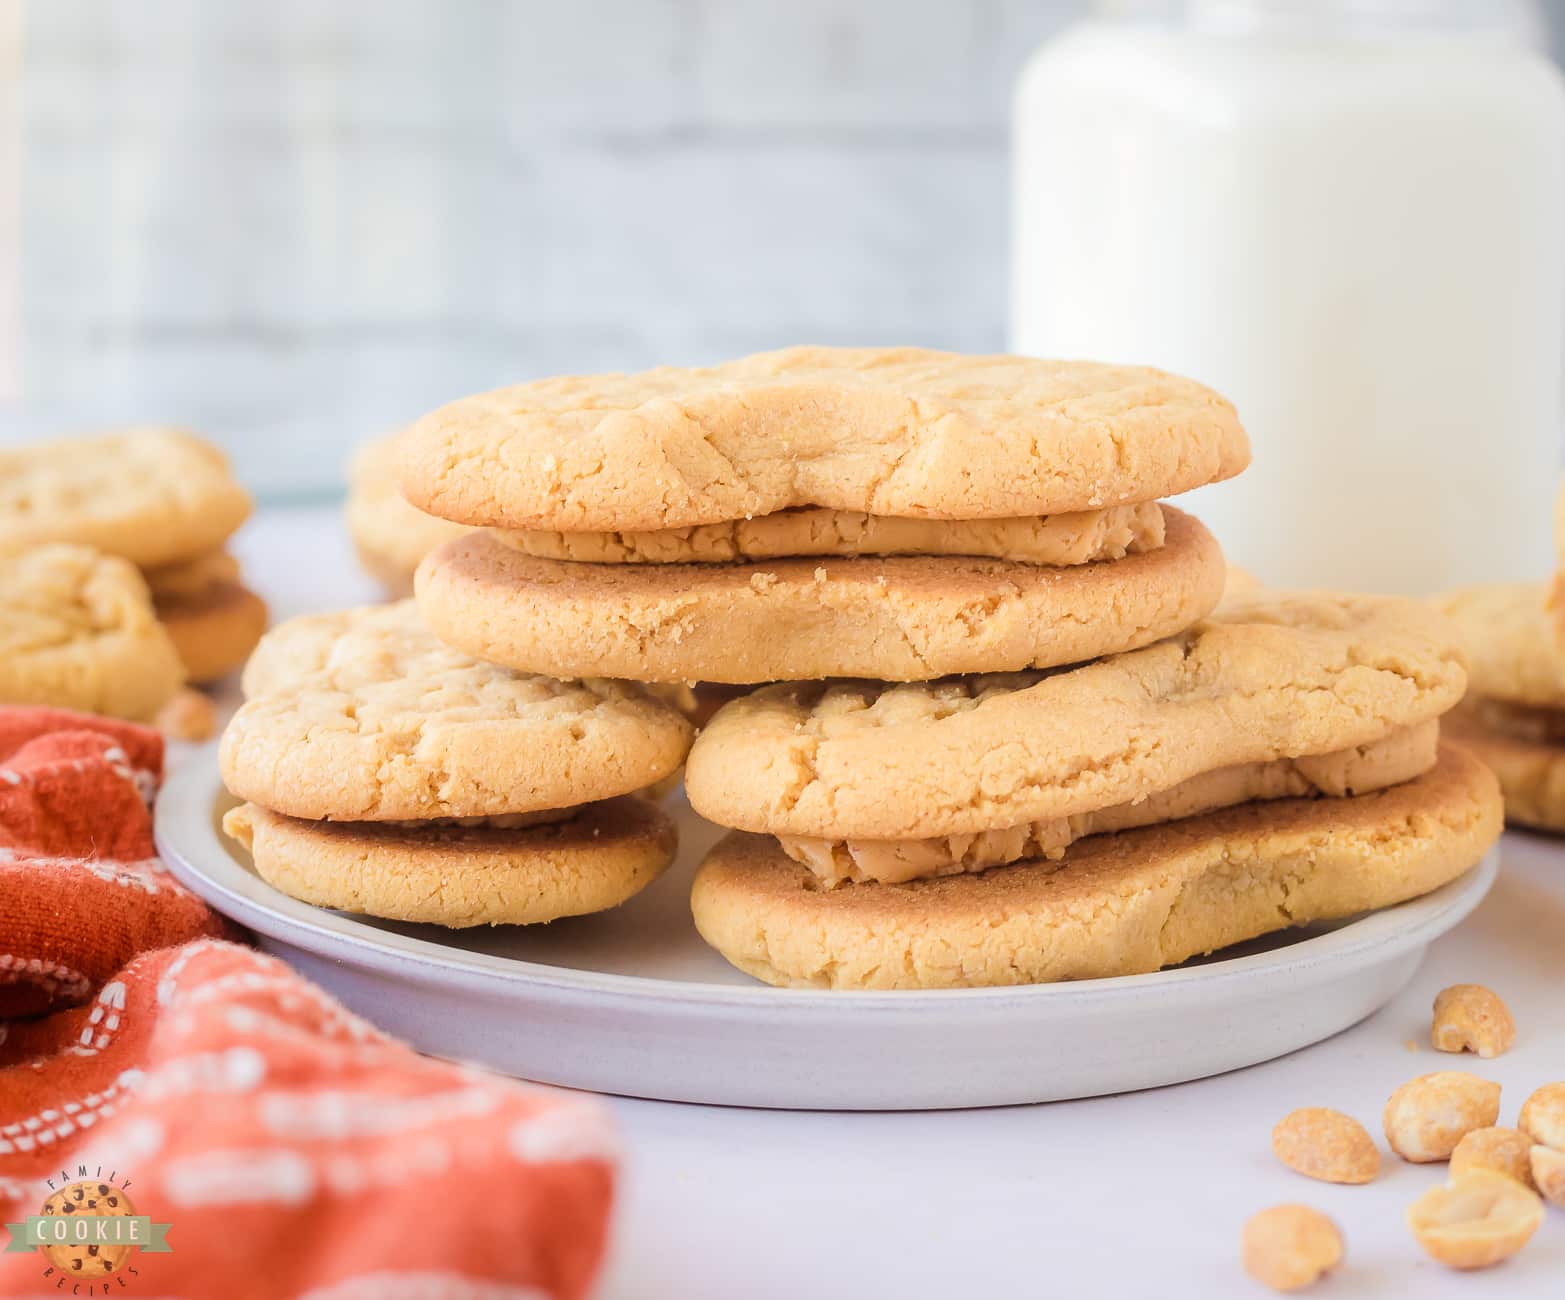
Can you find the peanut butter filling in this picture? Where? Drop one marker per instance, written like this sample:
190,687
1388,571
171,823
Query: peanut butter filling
1080,537
1400,756
1541,726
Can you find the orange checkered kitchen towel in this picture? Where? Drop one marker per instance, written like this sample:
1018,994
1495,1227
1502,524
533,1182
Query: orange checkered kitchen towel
274,1143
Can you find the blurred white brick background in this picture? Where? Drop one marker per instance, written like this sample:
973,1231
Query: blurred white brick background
294,223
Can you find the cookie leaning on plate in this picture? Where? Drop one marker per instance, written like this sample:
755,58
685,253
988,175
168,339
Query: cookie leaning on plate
1345,690
1514,714
1099,820
386,773
1116,905
77,631
903,618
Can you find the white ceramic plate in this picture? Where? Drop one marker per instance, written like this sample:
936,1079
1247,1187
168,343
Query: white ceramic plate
632,1002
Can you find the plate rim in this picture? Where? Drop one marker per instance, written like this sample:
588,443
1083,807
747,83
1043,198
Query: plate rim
185,834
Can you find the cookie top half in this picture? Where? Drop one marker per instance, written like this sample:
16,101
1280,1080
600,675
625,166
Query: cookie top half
1273,676
887,431
78,631
153,496
361,715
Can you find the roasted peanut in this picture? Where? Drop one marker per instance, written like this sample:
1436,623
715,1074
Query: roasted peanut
1426,1117
190,715
1548,1173
1289,1246
1477,1219
1505,1151
1326,1144
1543,1116
1472,1018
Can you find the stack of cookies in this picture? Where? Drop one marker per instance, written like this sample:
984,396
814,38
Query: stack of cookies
1009,741
818,512
386,774
161,499
1514,714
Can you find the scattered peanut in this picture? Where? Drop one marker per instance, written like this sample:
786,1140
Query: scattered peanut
1543,1116
190,715
1326,1144
1426,1117
1477,1219
1503,1150
1289,1246
1472,1018
1548,1174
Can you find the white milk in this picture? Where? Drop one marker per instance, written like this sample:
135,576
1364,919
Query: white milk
1350,219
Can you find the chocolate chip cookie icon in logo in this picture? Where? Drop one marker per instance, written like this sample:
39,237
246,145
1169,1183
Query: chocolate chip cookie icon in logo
88,1230
88,1257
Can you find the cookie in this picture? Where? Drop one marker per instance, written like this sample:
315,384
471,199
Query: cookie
389,536
152,496
906,618
215,630
1274,676
77,631
1079,538
1531,771
881,431
461,876
1401,756
1512,652
1121,904
362,715
192,577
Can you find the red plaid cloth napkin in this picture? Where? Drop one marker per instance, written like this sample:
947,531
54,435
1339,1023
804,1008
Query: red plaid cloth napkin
290,1148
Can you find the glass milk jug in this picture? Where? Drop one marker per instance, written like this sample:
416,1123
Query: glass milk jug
1349,217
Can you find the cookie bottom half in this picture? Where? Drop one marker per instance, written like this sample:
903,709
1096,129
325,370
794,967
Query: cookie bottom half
903,618
1118,904
1531,772
215,629
1406,753
459,876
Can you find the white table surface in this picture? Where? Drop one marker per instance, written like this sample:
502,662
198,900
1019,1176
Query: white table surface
1128,1196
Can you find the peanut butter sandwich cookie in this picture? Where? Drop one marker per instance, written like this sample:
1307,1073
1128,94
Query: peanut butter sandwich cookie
893,513
389,536
214,619
77,631
388,774
1514,714
903,618
1278,698
166,501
